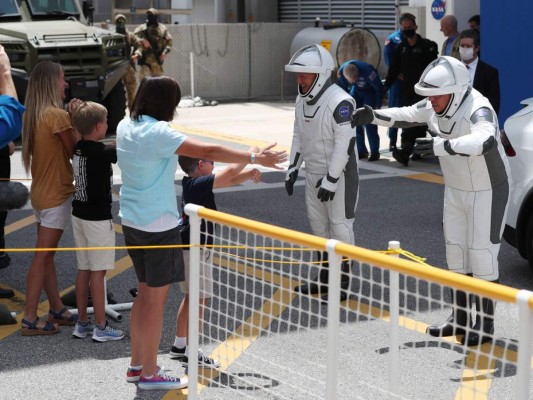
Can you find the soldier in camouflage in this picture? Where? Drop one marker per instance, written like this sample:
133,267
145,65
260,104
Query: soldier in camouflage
135,52
156,44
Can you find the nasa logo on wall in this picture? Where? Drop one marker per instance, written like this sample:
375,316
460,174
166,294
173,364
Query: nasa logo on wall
438,9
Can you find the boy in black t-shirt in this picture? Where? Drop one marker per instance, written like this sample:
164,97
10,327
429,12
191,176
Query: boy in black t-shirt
198,188
92,221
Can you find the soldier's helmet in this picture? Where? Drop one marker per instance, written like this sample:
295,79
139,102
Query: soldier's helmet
152,11
120,16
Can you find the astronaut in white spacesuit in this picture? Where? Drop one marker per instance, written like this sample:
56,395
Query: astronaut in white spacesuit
465,137
324,139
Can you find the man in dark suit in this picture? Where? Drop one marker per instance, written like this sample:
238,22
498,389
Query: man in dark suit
409,60
485,77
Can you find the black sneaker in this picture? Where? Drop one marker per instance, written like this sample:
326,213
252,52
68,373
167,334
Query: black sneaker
203,360
400,157
177,353
5,261
374,157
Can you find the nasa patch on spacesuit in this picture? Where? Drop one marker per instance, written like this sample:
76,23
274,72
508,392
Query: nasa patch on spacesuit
343,112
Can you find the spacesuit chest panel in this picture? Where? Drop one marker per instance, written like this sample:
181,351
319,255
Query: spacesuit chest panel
314,124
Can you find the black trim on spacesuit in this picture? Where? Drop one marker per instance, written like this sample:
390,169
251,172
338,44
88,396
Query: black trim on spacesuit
444,132
396,124
500,195
487,145
382,117
351,182
309,116
313,100
295,162
450,151
495,166
331,179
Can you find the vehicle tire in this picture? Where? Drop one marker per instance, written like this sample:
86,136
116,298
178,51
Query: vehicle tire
115,102
529,242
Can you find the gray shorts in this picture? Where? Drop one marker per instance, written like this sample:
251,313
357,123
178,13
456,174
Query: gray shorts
155,267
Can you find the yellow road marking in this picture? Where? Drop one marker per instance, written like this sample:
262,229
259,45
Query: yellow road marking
225,137
431,178
21,223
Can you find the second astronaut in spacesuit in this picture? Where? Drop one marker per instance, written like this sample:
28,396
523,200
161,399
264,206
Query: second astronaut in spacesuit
465,137
324,139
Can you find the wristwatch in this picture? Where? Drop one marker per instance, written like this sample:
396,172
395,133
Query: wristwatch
252,158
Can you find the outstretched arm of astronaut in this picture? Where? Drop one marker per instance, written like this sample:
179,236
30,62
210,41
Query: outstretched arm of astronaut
483,131
401,117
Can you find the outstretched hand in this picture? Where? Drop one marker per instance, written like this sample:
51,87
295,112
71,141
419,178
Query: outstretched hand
270,158
362,116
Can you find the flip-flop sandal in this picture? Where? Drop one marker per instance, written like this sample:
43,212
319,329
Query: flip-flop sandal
60,319
29,328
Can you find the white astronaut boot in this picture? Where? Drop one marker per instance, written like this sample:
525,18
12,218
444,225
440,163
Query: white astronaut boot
458,321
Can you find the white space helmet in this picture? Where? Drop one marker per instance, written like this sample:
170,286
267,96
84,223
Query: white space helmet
445,75
313,59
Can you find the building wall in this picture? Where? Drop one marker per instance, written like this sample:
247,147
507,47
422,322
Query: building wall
461,9
506,44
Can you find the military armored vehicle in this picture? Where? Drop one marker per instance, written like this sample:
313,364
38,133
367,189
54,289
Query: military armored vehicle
94,59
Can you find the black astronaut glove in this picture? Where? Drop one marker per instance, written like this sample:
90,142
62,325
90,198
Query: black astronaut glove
328,186
292,174
423,146
362,116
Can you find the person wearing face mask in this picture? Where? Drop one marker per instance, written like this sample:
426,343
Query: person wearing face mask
395,96
361,80
485,78
410,58
156,43
134,49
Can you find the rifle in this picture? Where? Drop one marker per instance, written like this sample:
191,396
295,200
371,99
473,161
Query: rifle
154,49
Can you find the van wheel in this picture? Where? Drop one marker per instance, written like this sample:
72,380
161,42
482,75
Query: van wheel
529,243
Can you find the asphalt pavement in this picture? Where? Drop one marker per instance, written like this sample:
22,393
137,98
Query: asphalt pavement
396,203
